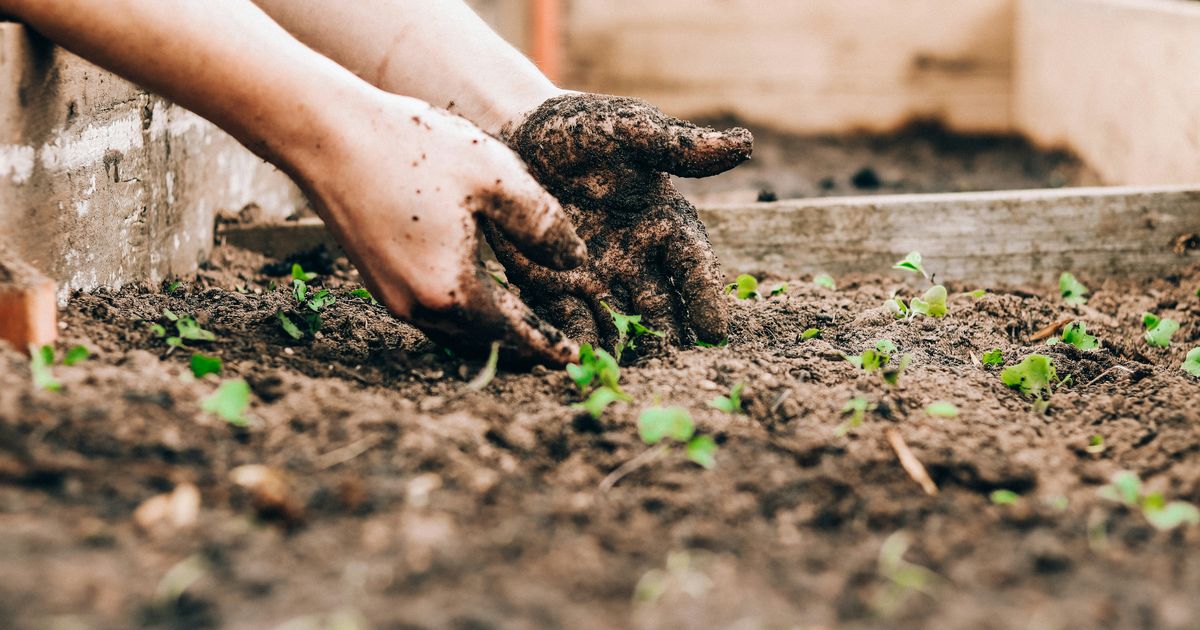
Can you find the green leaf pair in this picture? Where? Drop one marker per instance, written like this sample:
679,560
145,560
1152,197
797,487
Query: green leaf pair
731,403
1033,376
1126,488
1159,330
675,423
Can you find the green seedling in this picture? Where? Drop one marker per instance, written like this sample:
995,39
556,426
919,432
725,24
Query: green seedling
1096,444
203,365
731,403
1033,376
1004,497
993,357
41,359
897,307
809,333
305,319
485,376
933,303
75,354
298,273
230,402
872,360
364,294
186,329
779,289
705,344
675,423
911,263
942,409
629,330
1158,330
891,375
857,408
1191,364
595,365
1076,335
1126,489
173,287
1072,290
904,578
978,293
599,400
745,287
825,280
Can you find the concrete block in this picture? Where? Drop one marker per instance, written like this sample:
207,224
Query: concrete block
102,183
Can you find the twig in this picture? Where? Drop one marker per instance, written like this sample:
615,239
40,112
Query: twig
787,393
911,464
488,372
1105,373
644,458
1051,330
346,453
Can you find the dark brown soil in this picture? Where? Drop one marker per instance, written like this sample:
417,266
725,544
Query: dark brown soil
413,502
920,158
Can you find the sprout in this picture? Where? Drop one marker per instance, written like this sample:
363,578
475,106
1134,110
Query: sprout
1032,376
1158,331
911,263
1072,290
825,280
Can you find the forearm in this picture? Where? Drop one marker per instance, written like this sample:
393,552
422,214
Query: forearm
224,59
440,52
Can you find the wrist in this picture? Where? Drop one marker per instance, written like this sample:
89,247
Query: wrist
509,108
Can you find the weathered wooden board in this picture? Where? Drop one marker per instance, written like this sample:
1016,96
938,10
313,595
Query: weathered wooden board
1118,81
988,238
996,237
801,65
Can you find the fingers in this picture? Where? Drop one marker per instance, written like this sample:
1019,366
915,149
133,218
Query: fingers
652,299
683,149
573,317
489,313
698,278
534,221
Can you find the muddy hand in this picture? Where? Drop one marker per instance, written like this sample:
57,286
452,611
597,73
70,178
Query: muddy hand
403,191
608,160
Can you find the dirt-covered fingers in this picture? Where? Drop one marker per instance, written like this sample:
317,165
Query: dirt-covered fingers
572,316
533,220
488,313
652,297
687,150
696,270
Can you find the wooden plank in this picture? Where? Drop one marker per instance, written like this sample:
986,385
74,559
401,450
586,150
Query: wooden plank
28,307
1115,80
985,238
828,66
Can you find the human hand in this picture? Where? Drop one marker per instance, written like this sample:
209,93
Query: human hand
402,188
608,160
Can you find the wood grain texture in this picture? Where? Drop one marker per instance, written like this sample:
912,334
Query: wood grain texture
1000,237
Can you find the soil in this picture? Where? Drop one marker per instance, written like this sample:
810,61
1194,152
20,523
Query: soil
922,157
395,497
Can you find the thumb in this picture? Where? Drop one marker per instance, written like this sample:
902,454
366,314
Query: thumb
681,148
535,222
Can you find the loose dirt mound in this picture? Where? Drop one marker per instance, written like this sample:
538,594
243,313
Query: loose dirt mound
426,505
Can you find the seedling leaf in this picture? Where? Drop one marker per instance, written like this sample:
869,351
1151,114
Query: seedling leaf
942,409
746,287
702,450
1125,487
229,402
1095,444
169,314
779,289
1032,376
657,423
1072,290
488,372
158,330
705,344
1004,497
289,327
897,308
1076,334
978,293
599,400
1191,364
191,331
298,273
40,360
731,403
1172,515
993,357
933,303
203,364
857,408
825,280
76,354
911,263
1159,331
814,332
629,329
364,294
892,375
